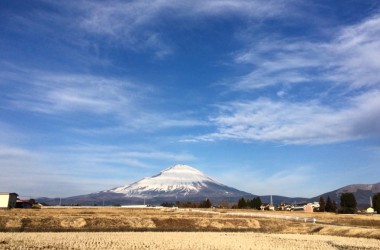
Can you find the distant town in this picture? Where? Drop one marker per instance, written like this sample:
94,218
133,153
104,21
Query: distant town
348,204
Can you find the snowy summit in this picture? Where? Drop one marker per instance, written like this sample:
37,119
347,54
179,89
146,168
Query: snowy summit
177,181
179,178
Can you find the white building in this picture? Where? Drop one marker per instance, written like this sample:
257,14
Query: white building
8,200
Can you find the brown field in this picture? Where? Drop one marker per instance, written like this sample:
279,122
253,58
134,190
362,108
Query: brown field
180,240
118,228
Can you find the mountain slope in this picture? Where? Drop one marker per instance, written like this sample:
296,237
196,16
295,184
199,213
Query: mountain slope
362,193
179,182
176,183
178,179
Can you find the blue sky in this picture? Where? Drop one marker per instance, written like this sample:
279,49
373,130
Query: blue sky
270,97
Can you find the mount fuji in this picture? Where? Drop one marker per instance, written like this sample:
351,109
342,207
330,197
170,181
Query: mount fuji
178,180
176,183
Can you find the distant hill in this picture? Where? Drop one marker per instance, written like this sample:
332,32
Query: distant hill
362,193
277,199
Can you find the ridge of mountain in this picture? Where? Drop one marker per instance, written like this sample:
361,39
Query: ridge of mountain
362,193
178,179
176,183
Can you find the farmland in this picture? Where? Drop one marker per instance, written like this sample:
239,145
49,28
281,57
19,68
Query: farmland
179,240
118,228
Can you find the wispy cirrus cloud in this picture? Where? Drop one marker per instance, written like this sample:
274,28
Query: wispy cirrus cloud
279,62
102,154
297,123
128,106
136,24
125,17
55,93
258,181
349,57
348,62
357,61
78,169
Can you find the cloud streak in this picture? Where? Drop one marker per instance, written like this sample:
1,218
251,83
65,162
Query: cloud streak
357,61
129,106
56,93
350,58
136,24
77,169
349,62
298,123
257,180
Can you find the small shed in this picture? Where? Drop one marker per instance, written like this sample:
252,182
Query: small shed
8,200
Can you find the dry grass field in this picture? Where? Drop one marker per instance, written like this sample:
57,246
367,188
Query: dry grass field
180,240
120,228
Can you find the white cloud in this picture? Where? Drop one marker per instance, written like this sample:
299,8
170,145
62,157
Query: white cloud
118,154
357,60
277,61
121,16
134,23
348,62
298,123
127,106
350,58
55,93
257,181
75,170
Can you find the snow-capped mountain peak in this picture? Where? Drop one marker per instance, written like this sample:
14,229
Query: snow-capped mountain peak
177,183
178,179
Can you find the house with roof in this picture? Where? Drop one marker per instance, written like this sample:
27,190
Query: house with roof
8,200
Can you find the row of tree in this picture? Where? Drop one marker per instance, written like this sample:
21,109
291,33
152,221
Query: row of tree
327,206
254,203
348,204
188,204
376,202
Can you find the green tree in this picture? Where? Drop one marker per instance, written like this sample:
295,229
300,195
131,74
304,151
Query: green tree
256,203
334,206
32,201
322,204
249,203
329,205
242,203
205,204
347,203
376,202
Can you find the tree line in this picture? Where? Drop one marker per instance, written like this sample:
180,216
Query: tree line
328,205
348,204
254,203
188,204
